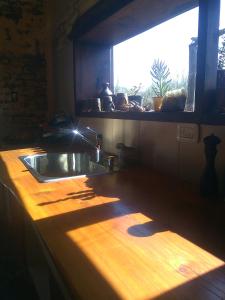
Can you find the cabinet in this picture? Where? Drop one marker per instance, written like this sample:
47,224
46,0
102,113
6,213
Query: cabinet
24,251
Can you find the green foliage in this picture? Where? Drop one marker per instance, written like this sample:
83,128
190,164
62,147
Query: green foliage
221,52
147,95
134,90
181,82
171,84
160,74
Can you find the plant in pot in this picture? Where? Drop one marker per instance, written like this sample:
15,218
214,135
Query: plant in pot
133,94
160,82
135,99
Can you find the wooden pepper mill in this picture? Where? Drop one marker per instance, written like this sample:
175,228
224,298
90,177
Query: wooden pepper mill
209,181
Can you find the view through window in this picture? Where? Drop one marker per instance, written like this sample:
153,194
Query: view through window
221,52
221,60
159,61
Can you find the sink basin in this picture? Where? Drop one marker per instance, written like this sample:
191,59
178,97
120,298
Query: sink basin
49,167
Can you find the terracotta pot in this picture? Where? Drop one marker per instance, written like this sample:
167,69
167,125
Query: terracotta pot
157,103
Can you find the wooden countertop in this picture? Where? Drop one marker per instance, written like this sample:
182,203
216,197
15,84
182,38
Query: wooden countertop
129,235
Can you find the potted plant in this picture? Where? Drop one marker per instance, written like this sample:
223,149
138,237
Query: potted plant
133,94
160,82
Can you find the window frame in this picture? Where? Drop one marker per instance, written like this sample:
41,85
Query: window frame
206,74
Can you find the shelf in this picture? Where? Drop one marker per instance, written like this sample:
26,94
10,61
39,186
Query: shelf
186,117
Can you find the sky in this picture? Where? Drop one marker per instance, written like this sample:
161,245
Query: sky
168,41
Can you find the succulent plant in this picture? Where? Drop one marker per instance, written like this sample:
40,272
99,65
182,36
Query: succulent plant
160,78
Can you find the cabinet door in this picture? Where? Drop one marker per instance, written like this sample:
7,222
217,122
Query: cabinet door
12,227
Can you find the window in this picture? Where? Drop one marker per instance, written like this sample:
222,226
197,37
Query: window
182,35
221,58
172,45
221,61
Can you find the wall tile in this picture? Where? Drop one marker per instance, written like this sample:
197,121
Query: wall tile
132,133
117,133
159,148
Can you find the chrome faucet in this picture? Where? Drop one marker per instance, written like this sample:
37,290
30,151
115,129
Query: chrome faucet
82,133
98,138
97,144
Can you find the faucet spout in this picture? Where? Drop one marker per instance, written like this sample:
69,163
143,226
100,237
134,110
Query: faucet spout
97,136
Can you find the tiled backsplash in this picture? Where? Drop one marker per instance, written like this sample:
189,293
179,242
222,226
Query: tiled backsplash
159,148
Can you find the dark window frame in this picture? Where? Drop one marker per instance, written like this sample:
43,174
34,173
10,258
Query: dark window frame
207,56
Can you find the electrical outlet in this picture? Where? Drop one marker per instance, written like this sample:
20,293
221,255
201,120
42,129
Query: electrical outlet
188,133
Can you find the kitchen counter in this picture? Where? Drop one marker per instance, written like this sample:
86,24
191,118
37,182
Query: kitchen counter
135,234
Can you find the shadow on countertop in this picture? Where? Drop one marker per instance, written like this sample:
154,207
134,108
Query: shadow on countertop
171,206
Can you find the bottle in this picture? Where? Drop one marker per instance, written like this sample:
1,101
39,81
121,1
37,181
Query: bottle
106,98
105,91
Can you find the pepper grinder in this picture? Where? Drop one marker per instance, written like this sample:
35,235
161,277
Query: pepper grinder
209,181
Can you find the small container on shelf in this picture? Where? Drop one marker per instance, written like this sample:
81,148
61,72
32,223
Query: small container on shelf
106,98
95,104
174,101
89,105
157,103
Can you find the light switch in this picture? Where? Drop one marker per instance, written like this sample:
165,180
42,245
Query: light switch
188,133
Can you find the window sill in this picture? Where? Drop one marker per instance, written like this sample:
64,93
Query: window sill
179,117
213,119
185,117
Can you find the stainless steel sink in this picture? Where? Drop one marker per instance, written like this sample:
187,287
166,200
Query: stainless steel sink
49,167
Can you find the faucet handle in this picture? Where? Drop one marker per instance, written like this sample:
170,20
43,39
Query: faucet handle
110,162
99,141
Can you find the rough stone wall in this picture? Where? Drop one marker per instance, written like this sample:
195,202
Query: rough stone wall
23,101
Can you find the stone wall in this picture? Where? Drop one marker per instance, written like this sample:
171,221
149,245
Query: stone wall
23,101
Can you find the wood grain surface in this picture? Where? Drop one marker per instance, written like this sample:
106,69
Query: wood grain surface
135,234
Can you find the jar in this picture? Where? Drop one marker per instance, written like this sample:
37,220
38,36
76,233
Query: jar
105,91
106,98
